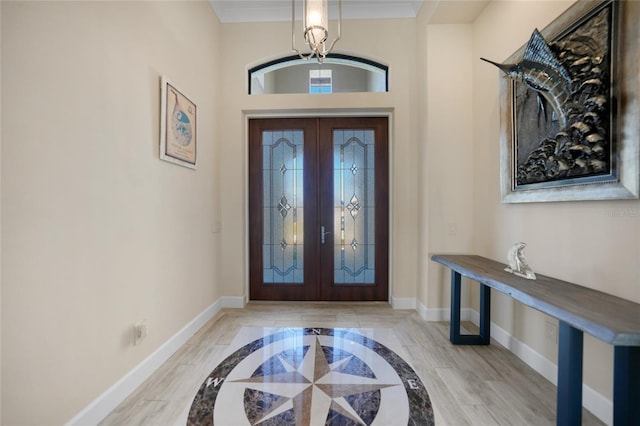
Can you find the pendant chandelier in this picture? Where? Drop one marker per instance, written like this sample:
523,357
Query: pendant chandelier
315,23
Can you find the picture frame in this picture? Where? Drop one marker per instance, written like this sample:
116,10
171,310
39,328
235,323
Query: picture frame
178,130
527,166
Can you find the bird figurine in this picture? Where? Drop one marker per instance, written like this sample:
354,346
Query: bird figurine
517,263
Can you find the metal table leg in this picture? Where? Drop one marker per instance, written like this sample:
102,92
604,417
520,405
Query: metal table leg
626,385
485,311
569,408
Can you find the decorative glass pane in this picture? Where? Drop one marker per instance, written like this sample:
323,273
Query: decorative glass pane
320,81
282,180
354,209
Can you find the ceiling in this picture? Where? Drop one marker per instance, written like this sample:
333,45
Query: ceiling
442,11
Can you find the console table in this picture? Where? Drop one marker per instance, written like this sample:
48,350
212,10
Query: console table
579,310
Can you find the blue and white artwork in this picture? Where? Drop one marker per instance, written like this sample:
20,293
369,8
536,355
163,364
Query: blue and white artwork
178,126
180,123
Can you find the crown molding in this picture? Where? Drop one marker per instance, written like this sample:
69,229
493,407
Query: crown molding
280,10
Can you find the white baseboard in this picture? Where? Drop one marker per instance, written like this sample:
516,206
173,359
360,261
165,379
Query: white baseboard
403,302
422,310
232,302
428,314
441,314
96,411
596,403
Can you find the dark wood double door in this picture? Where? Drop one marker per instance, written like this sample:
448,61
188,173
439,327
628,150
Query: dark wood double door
319,209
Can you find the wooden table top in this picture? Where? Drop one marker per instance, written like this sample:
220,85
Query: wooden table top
609,318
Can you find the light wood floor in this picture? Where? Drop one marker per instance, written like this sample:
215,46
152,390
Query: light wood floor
468,385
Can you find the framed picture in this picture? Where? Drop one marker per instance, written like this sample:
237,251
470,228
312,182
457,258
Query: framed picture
569,108
178,137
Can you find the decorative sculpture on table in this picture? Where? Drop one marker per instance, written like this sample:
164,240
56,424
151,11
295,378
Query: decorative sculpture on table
518,264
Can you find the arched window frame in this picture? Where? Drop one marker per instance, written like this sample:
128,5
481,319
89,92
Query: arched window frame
292,60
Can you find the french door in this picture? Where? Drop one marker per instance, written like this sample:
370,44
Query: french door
319,209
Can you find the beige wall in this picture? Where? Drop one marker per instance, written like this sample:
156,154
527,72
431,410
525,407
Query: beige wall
449,150
446,150
392,43
595,244
98,232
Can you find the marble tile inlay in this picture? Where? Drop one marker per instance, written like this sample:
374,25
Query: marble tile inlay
312,376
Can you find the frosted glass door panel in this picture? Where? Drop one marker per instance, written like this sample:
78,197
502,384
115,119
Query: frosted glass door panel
354,206
283,180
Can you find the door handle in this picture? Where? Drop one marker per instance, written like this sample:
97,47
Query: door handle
322,234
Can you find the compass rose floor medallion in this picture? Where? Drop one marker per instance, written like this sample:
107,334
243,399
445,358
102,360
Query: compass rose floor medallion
312,376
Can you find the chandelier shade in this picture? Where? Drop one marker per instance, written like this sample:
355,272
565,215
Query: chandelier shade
315,23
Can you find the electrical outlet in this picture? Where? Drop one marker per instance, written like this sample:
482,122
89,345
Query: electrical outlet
140,331
551,331
452,229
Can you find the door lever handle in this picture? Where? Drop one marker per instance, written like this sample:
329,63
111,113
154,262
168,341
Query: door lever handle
322,234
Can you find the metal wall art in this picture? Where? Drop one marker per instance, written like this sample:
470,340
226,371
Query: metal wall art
569,106
177,126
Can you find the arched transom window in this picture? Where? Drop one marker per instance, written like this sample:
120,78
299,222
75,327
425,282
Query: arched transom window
337,74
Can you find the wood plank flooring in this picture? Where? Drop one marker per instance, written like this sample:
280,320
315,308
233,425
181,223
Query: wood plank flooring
468,385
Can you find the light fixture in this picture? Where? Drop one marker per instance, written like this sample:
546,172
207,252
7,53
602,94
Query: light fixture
315,22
